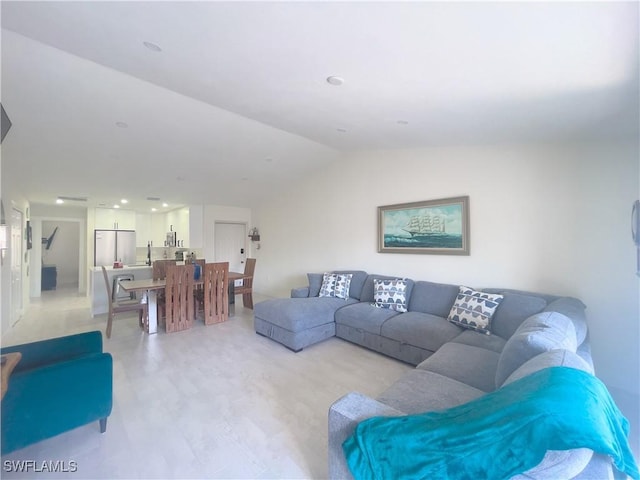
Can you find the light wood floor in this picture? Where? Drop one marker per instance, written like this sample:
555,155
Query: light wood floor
211,402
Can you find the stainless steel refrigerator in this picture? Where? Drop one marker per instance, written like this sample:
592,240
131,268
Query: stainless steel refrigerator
114,245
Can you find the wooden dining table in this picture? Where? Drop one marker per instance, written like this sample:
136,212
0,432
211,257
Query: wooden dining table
150,288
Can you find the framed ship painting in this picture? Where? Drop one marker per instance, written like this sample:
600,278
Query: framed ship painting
433,226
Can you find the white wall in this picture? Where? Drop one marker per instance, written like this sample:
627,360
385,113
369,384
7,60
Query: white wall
551,219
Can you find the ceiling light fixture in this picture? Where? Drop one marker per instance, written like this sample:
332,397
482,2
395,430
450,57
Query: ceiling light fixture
165,204
124,201
154,209
116,206
152,46
59,201
333,80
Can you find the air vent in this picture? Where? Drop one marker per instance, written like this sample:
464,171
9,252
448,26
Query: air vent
73,199
153,199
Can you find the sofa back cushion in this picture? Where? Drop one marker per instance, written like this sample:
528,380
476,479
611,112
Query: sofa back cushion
433,298
514,309
357,281
315,283
539,333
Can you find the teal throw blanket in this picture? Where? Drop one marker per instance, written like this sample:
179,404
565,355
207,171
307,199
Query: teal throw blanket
497,436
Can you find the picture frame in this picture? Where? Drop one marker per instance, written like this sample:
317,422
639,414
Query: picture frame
439,227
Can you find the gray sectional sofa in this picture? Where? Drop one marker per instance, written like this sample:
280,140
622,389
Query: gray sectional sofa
454,364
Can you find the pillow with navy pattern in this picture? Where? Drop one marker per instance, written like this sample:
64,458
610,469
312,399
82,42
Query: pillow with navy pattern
390,294
335,285
473,309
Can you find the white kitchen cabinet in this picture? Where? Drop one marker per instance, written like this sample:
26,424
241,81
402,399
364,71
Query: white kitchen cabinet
115,219
143,229
178,221
159,229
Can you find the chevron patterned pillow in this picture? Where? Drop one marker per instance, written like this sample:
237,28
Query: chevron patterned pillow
473,309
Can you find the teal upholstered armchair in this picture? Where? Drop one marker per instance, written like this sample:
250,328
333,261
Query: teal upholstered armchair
58,385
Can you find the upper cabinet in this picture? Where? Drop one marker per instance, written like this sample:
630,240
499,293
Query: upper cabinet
115,219
152,228
143,229
178,221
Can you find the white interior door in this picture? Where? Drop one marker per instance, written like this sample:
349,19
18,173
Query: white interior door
230,244
16,265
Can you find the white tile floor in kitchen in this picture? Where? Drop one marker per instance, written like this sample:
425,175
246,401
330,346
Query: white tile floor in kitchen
212,402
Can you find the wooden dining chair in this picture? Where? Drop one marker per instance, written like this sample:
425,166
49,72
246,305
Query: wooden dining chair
159,272
198,290
116,307
160,268
179,308
246,289
216,292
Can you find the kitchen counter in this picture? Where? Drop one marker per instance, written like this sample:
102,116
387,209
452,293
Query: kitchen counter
126,267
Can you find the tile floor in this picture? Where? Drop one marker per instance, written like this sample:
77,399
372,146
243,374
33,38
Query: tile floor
210,402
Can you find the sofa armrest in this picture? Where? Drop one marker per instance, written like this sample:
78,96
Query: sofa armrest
344,415
54,350
43,402
300,292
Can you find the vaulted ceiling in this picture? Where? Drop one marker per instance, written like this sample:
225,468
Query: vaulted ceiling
228,102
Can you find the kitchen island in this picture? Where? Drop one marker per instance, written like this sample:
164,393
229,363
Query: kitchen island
99,298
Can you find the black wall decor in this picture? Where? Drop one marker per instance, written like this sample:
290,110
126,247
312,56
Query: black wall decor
5,123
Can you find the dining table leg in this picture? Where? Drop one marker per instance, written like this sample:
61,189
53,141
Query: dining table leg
152,307
232,298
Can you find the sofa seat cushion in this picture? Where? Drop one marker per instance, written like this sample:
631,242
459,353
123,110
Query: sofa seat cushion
364,317
476,339
539,333
422,391
297,314
420,329
470,365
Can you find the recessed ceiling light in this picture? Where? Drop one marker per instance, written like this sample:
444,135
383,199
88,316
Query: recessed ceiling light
333,80
152,46
154,209
124,200
121,124
116,206
165,204
59,201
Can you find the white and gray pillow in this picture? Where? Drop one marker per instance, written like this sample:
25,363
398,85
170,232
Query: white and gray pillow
335,285
390,293
473,309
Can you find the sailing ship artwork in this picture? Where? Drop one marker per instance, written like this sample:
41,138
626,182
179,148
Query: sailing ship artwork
436,226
